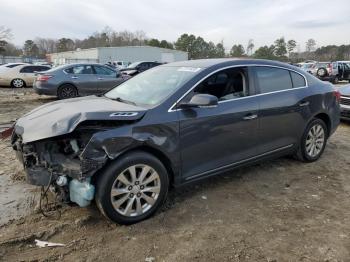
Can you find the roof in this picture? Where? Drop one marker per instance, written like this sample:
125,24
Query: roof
121,47
205,63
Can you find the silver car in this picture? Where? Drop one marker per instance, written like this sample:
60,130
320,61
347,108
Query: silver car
73,80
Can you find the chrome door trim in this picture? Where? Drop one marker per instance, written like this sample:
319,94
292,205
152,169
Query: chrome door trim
229,100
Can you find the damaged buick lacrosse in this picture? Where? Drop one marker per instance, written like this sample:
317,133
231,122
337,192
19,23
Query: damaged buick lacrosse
172,125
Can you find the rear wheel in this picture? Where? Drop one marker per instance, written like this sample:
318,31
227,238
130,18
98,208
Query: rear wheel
335,80
132,188
67,91
322,72
313,141
18,83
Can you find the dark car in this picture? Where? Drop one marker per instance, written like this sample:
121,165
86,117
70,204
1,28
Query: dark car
138,67
172,125
345,102
73,80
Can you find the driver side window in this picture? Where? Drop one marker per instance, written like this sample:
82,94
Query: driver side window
227,84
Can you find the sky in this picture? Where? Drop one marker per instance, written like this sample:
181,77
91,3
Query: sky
230,21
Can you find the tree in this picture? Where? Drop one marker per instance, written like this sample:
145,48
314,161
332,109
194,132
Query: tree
237,51
45,45
250,47
280,47
185,43
265,52
291,45
30,49
65,44
166,44
310,45
153,42
220,50
5,34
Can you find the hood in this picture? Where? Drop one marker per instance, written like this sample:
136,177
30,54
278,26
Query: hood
62,117
345,90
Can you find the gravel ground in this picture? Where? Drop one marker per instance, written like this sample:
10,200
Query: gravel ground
281,210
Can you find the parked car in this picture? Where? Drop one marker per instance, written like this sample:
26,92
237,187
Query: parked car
121,64
20,75
138,67
332,71
307,67
73,80
172,125
345,102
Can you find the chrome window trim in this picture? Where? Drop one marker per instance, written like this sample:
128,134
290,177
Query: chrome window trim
229,100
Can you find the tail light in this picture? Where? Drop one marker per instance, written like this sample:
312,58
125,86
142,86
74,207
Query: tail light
43,78
336,94
329,68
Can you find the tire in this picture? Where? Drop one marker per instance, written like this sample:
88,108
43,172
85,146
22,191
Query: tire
322,72
67,91
18,83
307,142
125,200
335,80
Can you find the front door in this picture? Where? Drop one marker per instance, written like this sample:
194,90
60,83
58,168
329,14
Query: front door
212,139
107,79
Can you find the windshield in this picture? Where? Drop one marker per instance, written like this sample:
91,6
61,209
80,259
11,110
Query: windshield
152,86
133,65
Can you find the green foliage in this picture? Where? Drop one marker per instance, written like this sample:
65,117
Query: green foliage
30,49
265,52
198,48
280,49
65,44
237,51
291,45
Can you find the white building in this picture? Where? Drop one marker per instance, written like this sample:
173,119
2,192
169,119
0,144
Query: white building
130,54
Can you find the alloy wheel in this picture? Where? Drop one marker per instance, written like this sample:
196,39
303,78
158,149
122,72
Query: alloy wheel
18,83
135,190
68,92
315,140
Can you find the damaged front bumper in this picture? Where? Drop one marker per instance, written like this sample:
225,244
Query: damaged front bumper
60,164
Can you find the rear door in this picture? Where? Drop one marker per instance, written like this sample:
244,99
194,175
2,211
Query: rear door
107,78
283,102
346,71
27,74
84,78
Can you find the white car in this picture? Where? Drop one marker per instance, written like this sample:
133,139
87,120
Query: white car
20,75
121,64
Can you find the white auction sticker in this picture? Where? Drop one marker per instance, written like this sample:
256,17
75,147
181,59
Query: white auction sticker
189,69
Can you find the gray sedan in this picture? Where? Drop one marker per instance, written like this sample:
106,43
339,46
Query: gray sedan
77,80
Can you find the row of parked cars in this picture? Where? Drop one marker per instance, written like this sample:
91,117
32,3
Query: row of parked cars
70,80
328,71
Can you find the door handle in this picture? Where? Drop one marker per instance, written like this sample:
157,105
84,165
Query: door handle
100,78
250,117
74,77
304,103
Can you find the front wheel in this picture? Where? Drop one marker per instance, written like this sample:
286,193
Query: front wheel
313,141
132,188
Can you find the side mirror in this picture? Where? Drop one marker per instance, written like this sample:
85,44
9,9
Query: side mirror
201,100
118,75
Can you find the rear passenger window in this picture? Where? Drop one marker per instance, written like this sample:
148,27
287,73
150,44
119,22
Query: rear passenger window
298,80
272,79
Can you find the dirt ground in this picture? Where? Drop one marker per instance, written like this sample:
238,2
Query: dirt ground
282,210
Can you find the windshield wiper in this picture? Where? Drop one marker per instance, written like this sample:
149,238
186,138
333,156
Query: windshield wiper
119,99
